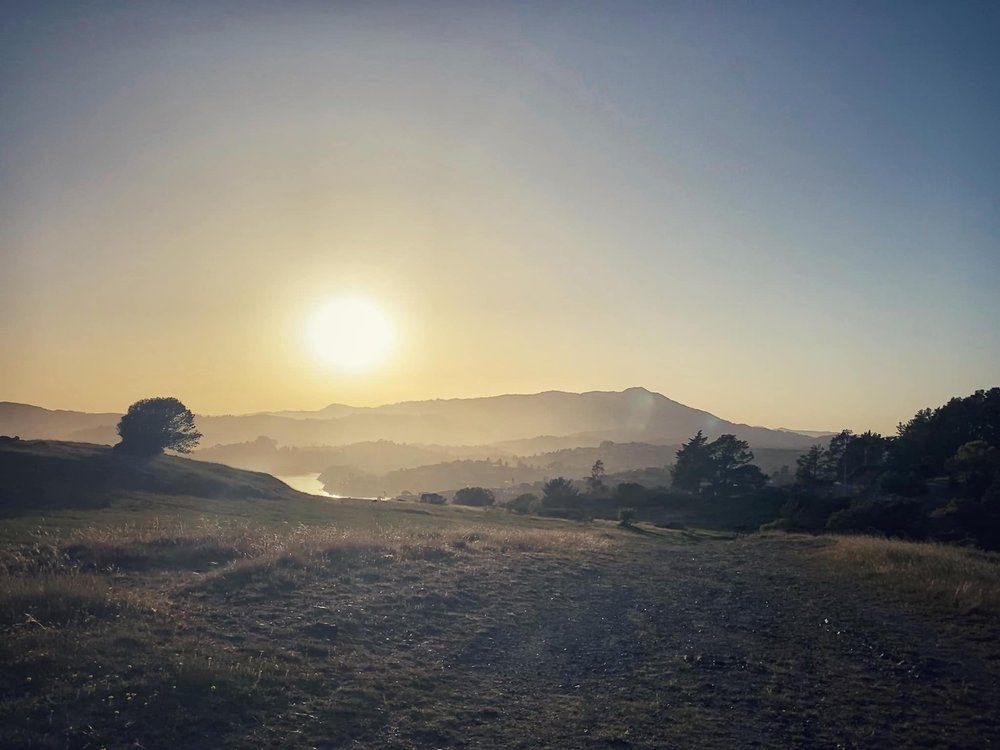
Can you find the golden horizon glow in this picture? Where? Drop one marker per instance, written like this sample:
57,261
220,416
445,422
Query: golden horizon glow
351,332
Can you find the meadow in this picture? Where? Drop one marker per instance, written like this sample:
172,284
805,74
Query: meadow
306,623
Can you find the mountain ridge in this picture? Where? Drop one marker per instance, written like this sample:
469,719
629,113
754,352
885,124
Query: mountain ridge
633,414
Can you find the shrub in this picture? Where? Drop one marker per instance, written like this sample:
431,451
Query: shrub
630,493
433,498
625,517
526,503
804,511
559,492
476,496
900,518
907,485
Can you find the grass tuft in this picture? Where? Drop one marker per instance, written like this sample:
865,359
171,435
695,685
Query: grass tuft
62,599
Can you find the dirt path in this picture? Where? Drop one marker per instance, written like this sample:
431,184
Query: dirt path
746,643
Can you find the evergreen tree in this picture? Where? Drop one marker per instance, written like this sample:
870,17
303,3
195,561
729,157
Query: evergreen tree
693,466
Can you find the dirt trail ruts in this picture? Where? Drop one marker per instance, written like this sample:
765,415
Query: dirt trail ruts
745,643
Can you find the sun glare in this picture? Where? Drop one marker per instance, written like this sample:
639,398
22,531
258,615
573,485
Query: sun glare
351,332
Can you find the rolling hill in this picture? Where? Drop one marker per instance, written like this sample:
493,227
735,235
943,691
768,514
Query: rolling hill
42,475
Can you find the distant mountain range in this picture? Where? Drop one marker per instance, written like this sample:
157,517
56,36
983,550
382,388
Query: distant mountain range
518,424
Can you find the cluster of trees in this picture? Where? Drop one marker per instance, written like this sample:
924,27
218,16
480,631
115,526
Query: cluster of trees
956,444
847,458
718,468
937,478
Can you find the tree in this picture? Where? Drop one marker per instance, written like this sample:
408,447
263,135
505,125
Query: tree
974,467
724,465
925,443
595,482
432,498
478,496
732,467
810,467
153,425
693,466
558,492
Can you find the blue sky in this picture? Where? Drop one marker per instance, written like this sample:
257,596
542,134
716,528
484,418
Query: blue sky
784,213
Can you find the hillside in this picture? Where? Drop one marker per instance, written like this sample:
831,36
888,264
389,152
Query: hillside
49,475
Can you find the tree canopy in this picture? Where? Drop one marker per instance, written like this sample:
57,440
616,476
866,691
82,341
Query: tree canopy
558,491
721,467
153,425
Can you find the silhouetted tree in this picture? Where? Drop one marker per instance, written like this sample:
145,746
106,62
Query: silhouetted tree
811,468
925,443
732,465
432,498
725,465
478,496
595,482
974,467
693,466
558,491
153,425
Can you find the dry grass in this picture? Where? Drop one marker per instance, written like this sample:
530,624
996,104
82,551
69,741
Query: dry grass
63,579
61,599
320,546
966,579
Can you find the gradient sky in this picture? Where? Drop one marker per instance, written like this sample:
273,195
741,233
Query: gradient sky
785,213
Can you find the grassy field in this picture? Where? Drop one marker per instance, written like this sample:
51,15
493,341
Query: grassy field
160,621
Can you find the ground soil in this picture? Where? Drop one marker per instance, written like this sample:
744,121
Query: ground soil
748,642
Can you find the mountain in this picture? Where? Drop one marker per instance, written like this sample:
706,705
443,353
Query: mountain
33,422
564,419
809,433
635,414
52,475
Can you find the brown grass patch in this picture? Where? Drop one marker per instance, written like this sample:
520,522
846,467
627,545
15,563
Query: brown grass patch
965,579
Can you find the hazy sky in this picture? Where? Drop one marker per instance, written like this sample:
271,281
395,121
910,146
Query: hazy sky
784,213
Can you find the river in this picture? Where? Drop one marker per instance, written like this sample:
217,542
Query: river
305,483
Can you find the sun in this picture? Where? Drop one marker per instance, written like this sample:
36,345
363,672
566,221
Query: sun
351,332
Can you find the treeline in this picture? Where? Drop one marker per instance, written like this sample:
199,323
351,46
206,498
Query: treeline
937,478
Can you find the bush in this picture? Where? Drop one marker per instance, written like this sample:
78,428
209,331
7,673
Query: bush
625,517
559,492
964,520
806,512
907,485
526,503
900,518
475,496
433,498
630,493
